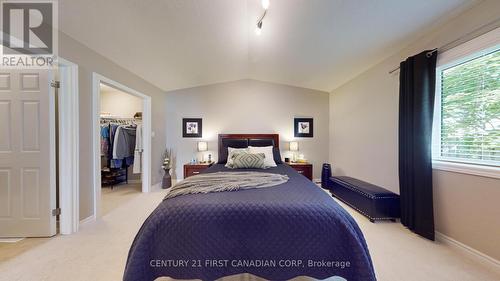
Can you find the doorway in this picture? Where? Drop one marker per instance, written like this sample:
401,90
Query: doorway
121,147
121,143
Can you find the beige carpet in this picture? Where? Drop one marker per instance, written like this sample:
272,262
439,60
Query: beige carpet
120,194
99,251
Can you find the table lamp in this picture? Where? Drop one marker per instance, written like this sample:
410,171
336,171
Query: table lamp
294,146
202,146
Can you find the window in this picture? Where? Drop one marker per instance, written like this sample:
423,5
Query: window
467,115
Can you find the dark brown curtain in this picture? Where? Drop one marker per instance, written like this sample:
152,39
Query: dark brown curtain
416,108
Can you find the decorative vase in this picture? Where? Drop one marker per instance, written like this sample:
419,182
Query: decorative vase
167,180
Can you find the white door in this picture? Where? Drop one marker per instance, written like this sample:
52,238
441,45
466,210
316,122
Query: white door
27,158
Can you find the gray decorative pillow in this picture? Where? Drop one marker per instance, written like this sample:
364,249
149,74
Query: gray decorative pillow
248,160
232,152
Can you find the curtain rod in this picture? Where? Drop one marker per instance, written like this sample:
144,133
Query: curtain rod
467,37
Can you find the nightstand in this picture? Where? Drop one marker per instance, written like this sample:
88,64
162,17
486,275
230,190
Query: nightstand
195,169
305,169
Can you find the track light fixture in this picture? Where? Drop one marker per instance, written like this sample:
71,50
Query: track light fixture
258,30
265,5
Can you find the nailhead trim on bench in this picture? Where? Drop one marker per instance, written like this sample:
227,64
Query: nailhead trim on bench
355,188
363,213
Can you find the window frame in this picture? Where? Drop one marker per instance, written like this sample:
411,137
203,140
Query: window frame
484,44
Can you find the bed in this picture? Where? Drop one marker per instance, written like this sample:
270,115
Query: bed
276,233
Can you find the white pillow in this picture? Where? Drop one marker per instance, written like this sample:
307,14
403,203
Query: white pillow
268,152
230,152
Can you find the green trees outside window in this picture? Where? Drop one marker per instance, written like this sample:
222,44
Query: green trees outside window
470,110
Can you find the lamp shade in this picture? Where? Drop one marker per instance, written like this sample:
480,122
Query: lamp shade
202,146
294,146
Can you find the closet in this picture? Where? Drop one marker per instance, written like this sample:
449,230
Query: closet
120,146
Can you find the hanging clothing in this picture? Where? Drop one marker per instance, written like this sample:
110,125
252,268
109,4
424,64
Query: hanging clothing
117,149
138,150
104,140
112,132
124,145
115,142
118,144
113,163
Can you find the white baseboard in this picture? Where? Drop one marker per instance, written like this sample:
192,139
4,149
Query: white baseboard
87,220
479,256
11,240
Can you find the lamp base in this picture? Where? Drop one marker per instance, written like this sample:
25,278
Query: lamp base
167,180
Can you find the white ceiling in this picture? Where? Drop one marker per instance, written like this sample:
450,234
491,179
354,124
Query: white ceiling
317,44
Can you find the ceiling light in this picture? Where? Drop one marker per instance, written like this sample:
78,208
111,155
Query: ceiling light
265,4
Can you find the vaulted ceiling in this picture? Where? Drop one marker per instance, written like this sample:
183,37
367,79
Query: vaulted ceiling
317,44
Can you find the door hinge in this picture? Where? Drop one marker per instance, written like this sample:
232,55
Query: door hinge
55,84
56,211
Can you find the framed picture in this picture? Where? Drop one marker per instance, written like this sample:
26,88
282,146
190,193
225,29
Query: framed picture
191,127
303,127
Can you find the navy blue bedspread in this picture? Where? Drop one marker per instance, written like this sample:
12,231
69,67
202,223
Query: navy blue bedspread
277,233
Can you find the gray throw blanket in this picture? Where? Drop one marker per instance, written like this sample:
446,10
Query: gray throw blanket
225,181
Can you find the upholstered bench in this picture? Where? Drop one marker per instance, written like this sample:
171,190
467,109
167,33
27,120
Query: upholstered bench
374,202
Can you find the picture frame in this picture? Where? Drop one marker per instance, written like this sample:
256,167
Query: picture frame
192,127
303,127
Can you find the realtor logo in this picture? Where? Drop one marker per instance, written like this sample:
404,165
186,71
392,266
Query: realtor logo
29,33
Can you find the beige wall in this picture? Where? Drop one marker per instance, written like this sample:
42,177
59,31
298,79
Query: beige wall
247,106
364,141
120,104
468,210
88,62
